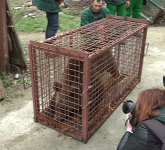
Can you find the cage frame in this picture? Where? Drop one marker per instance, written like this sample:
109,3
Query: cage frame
86,58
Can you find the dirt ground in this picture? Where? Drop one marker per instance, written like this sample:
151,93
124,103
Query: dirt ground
18,131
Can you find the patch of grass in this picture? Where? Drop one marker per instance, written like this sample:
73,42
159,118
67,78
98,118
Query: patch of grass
72,11
30,24
24,81
18,95
38,22
16,1
25,23
69,22
5,80
20,13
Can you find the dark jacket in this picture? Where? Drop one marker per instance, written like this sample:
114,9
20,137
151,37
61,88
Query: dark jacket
116,2
47,5
142,138
88,16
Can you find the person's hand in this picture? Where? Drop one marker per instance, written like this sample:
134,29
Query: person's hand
127,4
129,126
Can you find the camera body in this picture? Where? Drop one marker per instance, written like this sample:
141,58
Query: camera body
129,107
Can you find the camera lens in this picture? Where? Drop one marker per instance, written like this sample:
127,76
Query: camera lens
128,106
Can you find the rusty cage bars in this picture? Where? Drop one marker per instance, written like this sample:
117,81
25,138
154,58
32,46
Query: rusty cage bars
80,77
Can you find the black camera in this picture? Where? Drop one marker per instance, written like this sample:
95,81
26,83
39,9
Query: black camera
129,107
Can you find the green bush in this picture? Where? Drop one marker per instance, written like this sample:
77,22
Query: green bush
5,80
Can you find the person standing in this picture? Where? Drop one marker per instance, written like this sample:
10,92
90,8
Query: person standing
94,13
134,9
117,7
52,9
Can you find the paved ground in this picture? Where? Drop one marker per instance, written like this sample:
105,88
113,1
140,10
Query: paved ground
18,131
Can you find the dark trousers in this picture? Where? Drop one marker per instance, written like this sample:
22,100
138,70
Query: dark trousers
53,24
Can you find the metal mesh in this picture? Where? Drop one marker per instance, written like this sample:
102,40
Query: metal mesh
113,74
160,2
96,37
151,11
57,80
79,78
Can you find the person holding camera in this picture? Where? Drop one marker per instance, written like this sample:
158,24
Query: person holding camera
150,106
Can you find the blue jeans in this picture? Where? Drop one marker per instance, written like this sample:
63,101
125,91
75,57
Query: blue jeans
53,24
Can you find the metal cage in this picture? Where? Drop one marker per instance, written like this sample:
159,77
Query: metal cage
81,76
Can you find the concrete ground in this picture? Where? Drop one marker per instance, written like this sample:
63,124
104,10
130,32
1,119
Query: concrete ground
18,131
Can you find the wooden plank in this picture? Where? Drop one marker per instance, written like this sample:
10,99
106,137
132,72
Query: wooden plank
4,54
15,61
2,90
16,51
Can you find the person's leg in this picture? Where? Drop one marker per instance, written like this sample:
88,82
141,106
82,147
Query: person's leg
130,8
121,10
137,9
53,24
112,8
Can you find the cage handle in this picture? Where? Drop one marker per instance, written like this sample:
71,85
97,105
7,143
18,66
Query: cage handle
89,87
87,105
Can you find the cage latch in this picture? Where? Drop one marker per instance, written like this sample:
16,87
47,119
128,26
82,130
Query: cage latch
87,105
89,87
146,48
